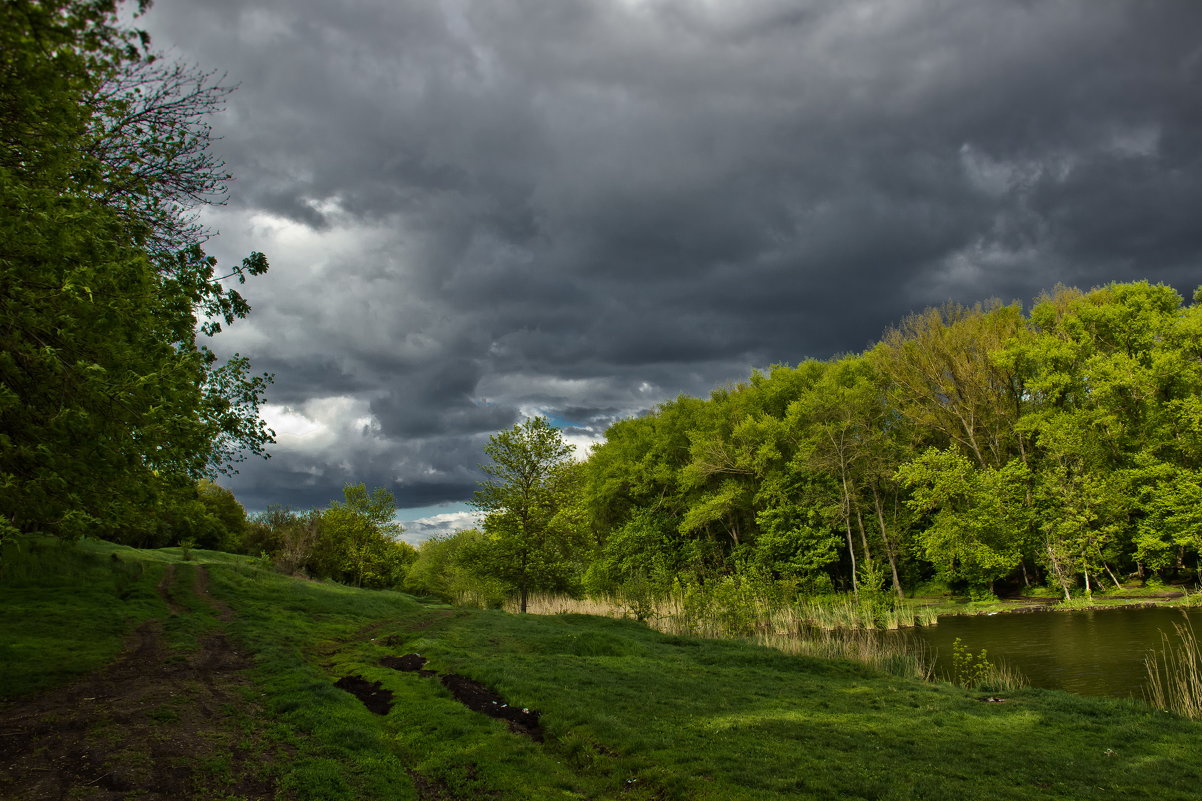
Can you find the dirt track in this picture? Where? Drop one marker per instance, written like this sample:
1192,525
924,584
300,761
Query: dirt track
156,724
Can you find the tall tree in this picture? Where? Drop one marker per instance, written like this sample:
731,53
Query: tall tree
844,428
521,499
1114,380
109,403
948,376
975,514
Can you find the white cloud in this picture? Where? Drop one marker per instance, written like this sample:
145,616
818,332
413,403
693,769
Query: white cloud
322,424
422,529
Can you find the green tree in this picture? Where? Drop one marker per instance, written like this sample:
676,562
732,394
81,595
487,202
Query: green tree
947,375
110,407
1114,378
358,540
529,478
1171,524
448,567
845,429
974,514
636,498
225,518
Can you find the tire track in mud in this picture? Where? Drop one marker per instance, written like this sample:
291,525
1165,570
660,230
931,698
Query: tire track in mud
163,588
143,726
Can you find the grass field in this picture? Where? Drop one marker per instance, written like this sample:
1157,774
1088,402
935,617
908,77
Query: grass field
627,712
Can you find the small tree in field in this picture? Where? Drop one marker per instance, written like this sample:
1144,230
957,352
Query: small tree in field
357,540
529,476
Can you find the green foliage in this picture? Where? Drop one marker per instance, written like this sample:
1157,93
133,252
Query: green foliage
447,568
533,540
1171,499
968,669
110,408
875,601
729,604
796,539
973,511
638,595
356,540
975,446
229,515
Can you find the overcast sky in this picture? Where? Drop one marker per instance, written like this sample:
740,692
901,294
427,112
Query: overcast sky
476,211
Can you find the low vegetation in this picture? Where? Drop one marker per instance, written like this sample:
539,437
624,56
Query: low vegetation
1175,673
626,711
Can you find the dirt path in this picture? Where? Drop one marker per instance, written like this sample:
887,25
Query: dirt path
156,724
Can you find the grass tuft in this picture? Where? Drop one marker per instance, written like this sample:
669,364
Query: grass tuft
1175,673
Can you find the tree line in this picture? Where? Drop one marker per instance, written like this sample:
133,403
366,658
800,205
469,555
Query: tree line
974,445
981,447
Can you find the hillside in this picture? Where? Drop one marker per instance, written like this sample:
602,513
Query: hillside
156,674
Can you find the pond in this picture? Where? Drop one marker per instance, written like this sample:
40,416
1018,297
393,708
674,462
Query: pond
1097,652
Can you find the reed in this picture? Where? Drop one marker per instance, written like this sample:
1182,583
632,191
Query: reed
1175,673
895,656
688,611
548,604
835,628
1004,678
847,612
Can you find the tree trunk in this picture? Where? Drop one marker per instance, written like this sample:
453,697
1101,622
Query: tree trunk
851,546
523,587
1058,572
851,550
863,534
1117,585
889,552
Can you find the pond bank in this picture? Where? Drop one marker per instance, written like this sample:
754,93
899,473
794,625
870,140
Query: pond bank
1022,604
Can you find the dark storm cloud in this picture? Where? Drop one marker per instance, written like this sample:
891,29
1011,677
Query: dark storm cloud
477,210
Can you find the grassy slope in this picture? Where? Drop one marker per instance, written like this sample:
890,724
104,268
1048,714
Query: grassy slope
629,713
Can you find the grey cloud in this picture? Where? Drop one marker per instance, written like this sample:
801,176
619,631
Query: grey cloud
587,207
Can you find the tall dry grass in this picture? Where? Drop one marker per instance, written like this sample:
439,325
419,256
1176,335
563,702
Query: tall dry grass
675,614
891,655
1004,678
836,629
541,604
1175,673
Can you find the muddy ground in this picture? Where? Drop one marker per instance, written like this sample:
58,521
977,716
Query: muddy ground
156,724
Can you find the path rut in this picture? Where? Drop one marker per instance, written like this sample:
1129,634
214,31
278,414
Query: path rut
145,726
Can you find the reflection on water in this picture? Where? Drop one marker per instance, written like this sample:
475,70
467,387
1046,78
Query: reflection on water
1099,652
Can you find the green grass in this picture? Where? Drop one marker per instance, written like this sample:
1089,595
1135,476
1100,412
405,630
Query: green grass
67,608
629,713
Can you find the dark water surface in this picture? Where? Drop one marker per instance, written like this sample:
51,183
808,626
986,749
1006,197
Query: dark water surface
1099,652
